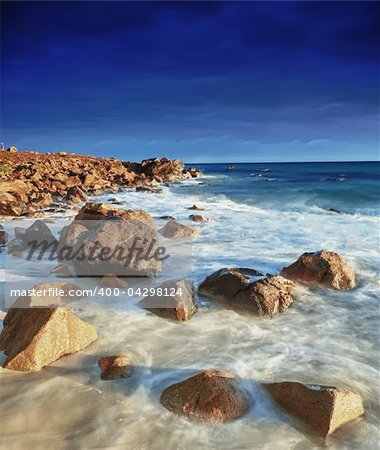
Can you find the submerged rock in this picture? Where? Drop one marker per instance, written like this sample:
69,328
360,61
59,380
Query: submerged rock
115,367
264,297
198,218
196,208
322,409
35,337
323,268
212,396
176,302
175,230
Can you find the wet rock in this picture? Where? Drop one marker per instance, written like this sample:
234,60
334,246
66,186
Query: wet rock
194,172
149,189
166,218
212,396
115,367
198,218
264,297
39,232
173,299
69,237
110,247
175,230
36,337
322,409
16,247
323,268
196,208
112,281
103,211
3,236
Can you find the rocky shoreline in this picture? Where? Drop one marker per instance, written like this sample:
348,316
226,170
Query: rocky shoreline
30,181
35,337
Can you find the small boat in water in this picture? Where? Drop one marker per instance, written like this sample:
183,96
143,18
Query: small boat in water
231,168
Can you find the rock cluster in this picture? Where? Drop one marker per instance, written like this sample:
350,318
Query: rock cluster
30,181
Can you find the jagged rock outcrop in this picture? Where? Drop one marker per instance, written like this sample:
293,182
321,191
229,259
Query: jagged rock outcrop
263,297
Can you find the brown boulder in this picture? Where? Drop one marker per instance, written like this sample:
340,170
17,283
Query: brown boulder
35,337
12,150
196,208
264,297
61,269
115,367
68,238
173,300
16,246
39,232
175,230
103,211
198,218
324,268
122,247
212,396
322,409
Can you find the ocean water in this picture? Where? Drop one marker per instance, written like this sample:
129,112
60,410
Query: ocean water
261,216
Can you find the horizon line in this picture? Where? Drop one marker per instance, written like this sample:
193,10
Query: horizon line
289,162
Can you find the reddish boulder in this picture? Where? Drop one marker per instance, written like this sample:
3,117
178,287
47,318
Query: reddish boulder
264,297
175,230
324,268
35,337
115,367
322,409
173,300
212,396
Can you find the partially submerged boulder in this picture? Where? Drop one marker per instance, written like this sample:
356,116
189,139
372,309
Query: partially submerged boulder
322,409
76,195
263,297
212,396
323,268
35,337
173,299
121,247
38,232
115,367
103,211
176,230
198,218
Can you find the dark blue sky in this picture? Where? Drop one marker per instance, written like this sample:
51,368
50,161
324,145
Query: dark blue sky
219,81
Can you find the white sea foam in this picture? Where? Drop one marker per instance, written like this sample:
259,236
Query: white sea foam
325,338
